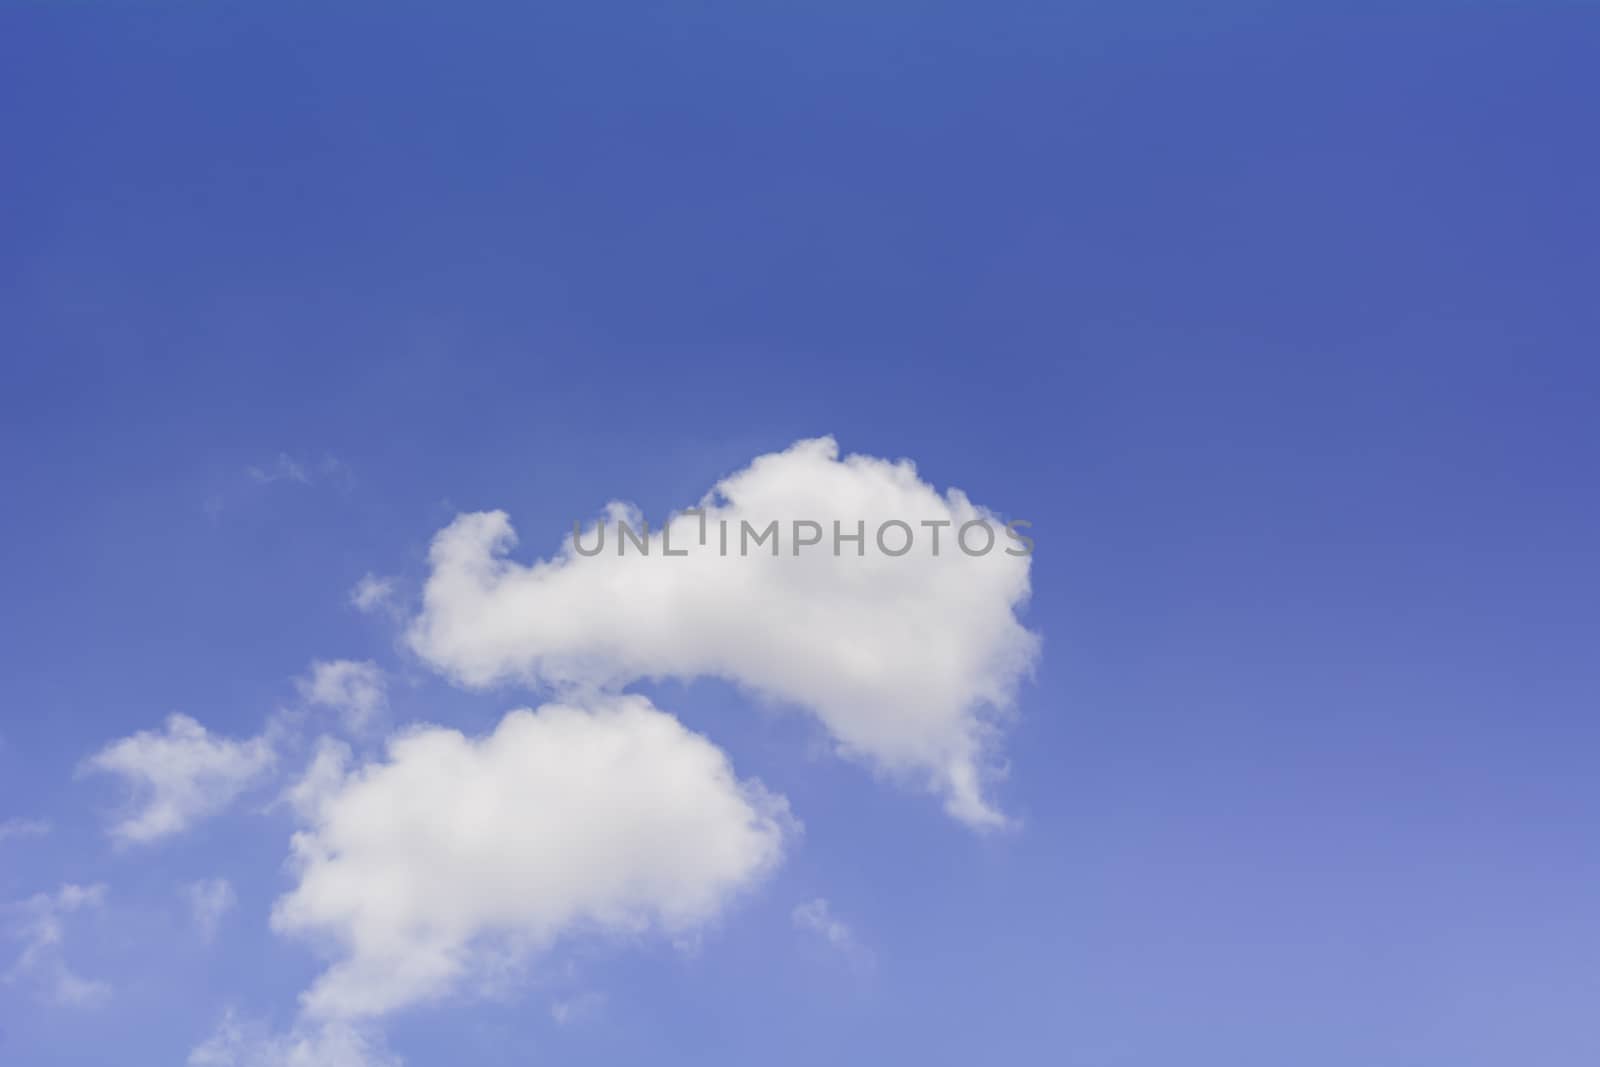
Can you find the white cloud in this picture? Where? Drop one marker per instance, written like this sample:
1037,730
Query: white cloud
178,776
908,661
356,690
209,900
41,928
241,1043
456,855
373,593
19,828
322,778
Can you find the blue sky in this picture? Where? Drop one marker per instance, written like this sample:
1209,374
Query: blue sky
1278,324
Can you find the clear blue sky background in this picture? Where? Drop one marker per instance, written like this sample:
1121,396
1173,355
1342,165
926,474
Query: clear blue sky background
1279,323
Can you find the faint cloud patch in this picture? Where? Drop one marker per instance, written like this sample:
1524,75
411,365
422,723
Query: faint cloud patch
210,899
374,593
329,470
816,917
40,926
16,828
288,469
583,1008
283,469
337,473
239,1042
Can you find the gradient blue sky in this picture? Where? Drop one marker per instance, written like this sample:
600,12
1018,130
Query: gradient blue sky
1279,324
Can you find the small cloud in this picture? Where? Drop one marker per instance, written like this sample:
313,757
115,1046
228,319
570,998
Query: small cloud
178,776
816,916
71,990
20,828
585,1007
288,469
329,470
209,900
356,690
284,469
373,593
42,931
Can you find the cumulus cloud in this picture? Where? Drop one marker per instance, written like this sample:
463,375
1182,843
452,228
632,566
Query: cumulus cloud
239,1042
19,828
41,928
455,855
355,690
178,776
909,661
209,900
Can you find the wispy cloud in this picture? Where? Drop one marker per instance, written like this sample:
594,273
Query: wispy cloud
239,1042
329,470
283,469
18,828
41,929
209,900
584,1007
816,916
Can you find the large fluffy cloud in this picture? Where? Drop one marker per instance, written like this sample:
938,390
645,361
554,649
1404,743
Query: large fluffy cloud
178,775
907,659
456,853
